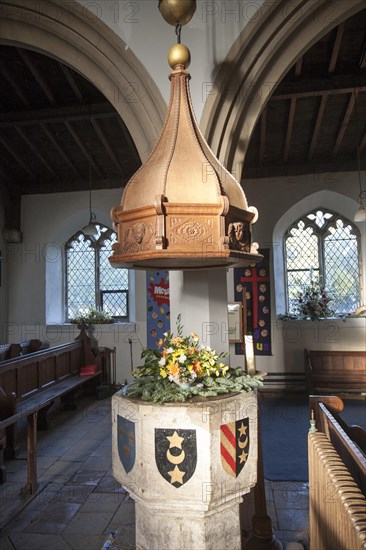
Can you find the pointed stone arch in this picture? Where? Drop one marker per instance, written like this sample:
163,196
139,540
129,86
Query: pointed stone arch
70,33
272,41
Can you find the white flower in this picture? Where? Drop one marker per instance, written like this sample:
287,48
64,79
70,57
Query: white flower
162,361
182,358
170,350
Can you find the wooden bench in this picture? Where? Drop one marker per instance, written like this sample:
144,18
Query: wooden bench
335,371
9,351
30,384
337,478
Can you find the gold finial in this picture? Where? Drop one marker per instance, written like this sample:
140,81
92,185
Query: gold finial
179,55
177,12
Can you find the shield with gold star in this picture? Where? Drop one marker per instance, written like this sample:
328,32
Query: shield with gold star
126,442
176,455
234,446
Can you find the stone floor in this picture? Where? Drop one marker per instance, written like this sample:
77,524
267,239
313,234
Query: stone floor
79,504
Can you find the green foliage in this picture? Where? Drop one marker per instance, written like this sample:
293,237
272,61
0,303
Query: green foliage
92,316
162,390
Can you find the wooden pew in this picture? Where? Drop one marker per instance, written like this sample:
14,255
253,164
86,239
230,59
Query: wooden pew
335,371
16,349
337,478
29,386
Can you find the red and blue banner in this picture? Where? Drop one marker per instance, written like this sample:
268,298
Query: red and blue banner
254,281
158,306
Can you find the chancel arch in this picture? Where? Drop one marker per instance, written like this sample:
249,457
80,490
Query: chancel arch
272,41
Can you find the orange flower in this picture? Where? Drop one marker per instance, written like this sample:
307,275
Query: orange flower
196,366
191,351
173,369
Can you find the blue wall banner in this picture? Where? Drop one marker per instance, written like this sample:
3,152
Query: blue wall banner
158,306
254,280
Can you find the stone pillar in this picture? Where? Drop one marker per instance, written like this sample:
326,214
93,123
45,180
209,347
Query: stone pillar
200,297
187,466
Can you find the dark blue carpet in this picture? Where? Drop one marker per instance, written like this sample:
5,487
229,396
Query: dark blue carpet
285,426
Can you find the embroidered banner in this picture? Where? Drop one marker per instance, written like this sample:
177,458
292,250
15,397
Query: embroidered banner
158,306
255,282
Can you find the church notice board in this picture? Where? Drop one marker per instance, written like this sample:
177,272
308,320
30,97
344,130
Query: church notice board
253,283
158,306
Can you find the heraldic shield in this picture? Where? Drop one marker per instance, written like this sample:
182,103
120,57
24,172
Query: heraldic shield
126,442
234,446
176,455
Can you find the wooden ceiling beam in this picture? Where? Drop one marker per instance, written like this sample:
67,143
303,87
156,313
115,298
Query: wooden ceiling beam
362,62
298,67
51,116
107,147
336,49
60,150
37,76
290,126
318,123
18,90
82,148
313,87
345,122
9,149
72,82
131,145
35,151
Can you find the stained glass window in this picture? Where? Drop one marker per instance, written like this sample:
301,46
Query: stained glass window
90,279
324,246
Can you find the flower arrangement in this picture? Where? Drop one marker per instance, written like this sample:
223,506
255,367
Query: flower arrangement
91,316
182,368
313,302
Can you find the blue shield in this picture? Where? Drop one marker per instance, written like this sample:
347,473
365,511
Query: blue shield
126,442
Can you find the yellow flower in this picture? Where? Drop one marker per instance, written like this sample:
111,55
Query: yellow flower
194,336
163,373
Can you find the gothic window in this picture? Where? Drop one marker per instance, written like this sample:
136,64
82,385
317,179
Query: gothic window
324,246
90,279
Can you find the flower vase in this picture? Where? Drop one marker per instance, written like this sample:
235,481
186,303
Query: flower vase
183,384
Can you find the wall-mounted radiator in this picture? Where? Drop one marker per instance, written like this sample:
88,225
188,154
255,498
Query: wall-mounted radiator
337,506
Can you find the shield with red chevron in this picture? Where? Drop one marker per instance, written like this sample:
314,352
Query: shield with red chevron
234,446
